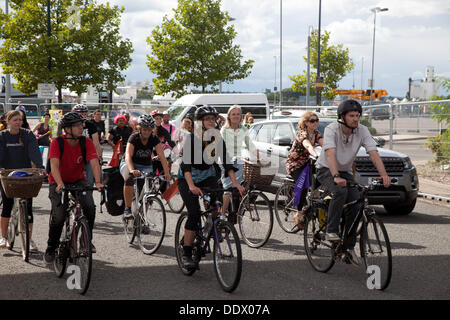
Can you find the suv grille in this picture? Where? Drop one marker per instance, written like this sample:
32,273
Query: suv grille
392,165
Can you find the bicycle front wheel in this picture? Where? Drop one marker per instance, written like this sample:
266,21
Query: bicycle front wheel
284,209
82,254
320,253
12,228
255,219
376,252
176,203
151,225
60,261
24,230
227,256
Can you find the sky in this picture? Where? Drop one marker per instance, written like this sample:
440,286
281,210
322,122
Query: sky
411,35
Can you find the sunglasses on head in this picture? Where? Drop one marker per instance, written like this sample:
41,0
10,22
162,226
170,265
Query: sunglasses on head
313,120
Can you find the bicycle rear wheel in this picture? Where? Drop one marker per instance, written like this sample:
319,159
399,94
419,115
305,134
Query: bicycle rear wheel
376,251
227,256
255,219
83,254
176,203
179,242
320,253
151,225
284,209
24,230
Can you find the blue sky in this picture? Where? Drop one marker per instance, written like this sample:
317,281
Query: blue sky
410,36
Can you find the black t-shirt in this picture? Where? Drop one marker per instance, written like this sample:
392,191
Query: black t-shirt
89,129
143,153
123,133
100,127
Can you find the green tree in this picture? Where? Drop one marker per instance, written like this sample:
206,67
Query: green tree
335,63
85,45
195,48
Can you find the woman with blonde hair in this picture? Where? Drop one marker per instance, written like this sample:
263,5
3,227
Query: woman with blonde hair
306,139
235,134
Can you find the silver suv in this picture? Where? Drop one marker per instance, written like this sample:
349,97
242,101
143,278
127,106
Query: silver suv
274,138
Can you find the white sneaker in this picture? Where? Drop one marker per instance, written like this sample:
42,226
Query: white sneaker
33,246
4,243
332,237
354,258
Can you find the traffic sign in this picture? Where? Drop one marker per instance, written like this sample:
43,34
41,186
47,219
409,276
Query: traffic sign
46,90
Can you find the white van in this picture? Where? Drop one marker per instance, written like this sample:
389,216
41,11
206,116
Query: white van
255,103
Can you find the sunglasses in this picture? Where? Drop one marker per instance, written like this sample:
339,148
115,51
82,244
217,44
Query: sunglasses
313,120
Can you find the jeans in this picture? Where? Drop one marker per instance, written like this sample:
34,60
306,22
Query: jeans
340,196
58,212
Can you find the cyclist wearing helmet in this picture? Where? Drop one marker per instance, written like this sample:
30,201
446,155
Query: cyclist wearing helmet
89,131
138,158
342,141
69,168
200,151
18,149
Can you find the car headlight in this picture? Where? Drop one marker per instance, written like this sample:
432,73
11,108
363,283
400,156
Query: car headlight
407,163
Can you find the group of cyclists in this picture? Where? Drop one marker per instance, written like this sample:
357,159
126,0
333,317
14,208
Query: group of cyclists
210,148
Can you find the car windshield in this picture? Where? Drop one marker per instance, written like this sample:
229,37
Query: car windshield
175,111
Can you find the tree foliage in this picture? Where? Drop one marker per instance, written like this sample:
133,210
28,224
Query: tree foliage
335,63
85,45
195,47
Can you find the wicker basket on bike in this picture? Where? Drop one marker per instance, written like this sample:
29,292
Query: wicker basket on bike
22,187
252,173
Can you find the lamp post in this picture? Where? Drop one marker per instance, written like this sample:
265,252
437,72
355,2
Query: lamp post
374,10
308,75
275,83
281,51
318,78
7,77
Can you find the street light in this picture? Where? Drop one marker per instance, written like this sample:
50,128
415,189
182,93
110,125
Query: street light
374,10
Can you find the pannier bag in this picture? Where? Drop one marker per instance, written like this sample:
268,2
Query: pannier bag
113,181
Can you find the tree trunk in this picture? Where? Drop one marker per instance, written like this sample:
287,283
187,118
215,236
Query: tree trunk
59,95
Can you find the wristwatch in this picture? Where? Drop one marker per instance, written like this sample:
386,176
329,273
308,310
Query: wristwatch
337,175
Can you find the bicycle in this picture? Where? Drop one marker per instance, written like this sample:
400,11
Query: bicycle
175,203
373,238
19,225
254,216
148,225
227,254
284,202
75,245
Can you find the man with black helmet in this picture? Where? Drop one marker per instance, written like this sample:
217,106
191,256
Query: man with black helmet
67,166
342,141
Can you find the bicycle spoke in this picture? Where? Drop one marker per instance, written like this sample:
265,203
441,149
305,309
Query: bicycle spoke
152,225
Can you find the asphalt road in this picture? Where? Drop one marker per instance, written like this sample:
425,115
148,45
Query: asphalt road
278,271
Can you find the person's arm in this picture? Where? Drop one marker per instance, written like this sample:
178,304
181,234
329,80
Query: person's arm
165,165
376,159
33,150
54,162
97,144
332,165
110,140
129,159
36,128
308,146
96,171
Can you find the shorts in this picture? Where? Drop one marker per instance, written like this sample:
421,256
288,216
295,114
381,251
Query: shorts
127,177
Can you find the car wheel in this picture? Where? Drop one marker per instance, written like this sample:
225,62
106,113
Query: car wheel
400,210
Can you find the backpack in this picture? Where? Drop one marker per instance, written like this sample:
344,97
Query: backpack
113,181
61,150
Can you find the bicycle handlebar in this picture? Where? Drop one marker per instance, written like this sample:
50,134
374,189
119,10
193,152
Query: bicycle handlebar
71,188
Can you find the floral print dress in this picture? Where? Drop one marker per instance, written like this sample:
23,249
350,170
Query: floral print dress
298,155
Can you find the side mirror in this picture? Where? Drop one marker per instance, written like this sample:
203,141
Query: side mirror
283,141
380,141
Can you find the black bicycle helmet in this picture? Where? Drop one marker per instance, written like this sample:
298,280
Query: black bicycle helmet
347,106
147,121
204,111
80,108
71,118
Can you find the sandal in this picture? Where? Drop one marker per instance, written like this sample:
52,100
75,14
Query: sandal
299,219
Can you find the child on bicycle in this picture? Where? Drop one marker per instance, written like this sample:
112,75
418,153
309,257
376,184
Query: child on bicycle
306,139
201,150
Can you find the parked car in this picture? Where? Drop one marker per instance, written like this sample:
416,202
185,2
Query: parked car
274,138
